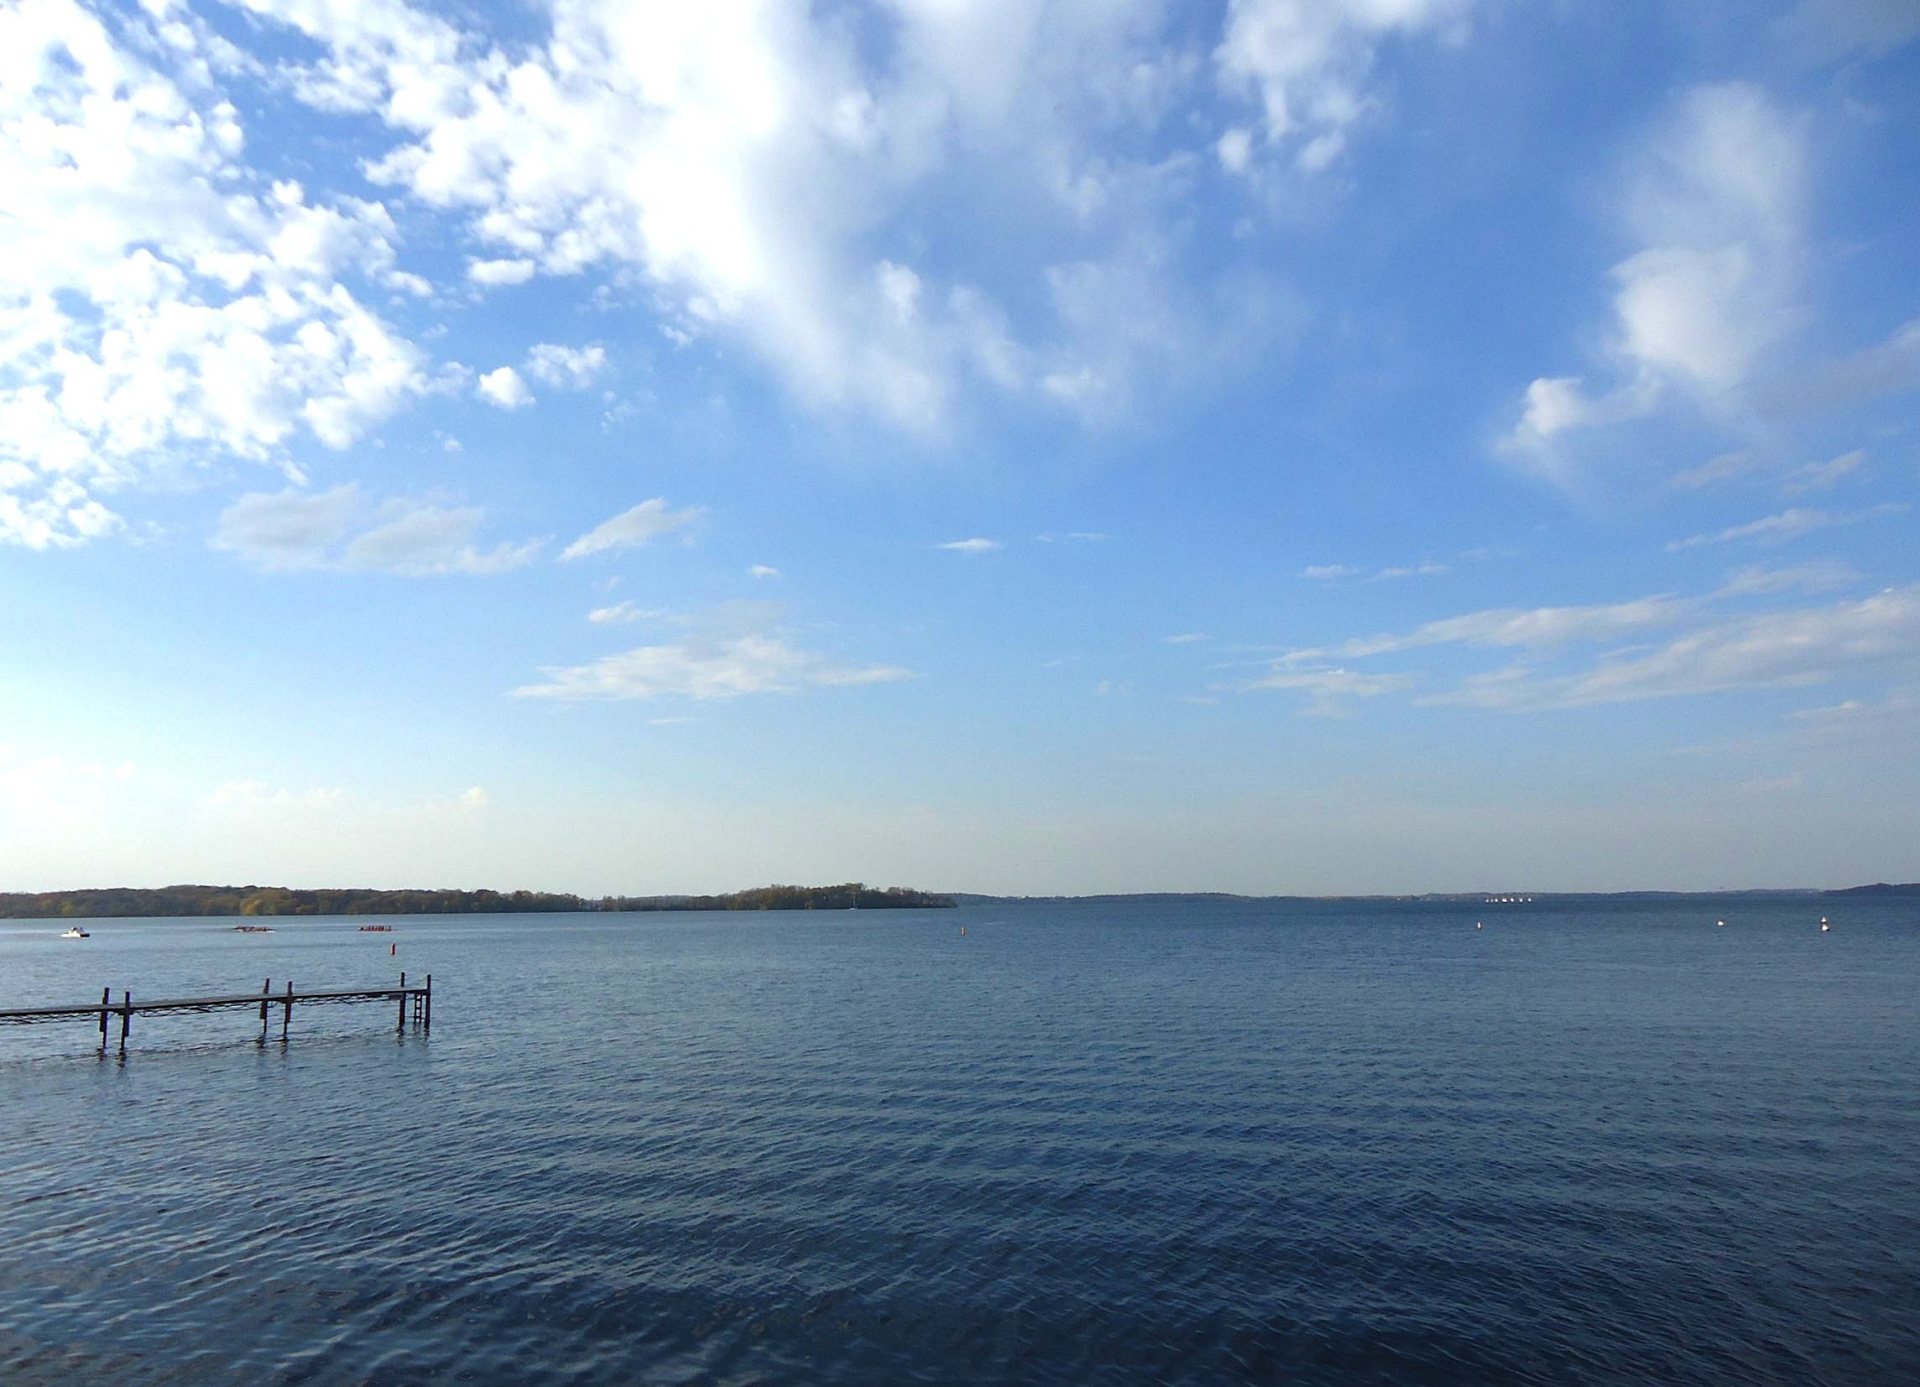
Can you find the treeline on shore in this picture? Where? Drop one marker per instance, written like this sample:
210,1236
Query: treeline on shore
126,901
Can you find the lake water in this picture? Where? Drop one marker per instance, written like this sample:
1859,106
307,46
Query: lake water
1186,1142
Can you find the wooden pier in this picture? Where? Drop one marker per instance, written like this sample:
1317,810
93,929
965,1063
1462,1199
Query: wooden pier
414,1001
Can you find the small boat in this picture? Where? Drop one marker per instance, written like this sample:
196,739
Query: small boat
376,929
253,929
1824,926
75,932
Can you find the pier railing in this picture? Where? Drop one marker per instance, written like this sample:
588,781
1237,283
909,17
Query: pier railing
414,1001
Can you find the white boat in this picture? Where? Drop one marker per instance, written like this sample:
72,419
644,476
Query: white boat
75,932
1824,926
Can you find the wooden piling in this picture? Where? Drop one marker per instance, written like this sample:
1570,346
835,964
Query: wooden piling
100,1011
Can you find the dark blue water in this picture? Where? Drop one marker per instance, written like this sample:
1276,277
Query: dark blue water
1185,1143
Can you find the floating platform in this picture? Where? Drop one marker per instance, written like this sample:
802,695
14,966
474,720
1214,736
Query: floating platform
414,1000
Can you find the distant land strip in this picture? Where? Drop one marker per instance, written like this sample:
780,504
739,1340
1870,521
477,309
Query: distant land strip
164,901
127,901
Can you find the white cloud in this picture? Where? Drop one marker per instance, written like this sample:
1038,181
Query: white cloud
159,304
1310,67
1788,524
1893,720
1521,627
566,368
1824,476
1235,150
61,517
1330,688
290,530
1716,471
971,546
496,272
749,664
417,541
503,388
641,524
759,173
1131,326
1714,197
1714,651
1553,406
1186,638
1335,572
622,613
295,530
1755,579
763,570
1771,650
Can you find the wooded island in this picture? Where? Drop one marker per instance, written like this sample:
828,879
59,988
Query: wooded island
126,901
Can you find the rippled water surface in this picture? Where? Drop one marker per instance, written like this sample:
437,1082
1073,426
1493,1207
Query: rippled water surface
1084,1143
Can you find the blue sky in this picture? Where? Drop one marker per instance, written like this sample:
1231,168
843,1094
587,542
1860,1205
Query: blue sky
1372,445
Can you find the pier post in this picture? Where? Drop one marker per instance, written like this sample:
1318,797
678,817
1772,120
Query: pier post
412,1001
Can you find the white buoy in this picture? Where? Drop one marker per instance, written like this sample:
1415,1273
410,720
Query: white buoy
1719,924
1477,924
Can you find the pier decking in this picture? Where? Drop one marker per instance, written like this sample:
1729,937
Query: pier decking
414,998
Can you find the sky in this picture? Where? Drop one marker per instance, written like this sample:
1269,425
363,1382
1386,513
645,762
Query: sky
1279,446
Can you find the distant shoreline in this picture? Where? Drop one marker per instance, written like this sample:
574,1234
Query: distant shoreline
271,902
167,902
1491,897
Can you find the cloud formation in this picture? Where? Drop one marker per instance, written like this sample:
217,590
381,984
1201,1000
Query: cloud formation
1778,649
758,173
1788,524
1309,66
1714,198
1522,627
566,368
503,389
722,669
621,613
1573,657
295,530
641,524
1330,688
159,302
